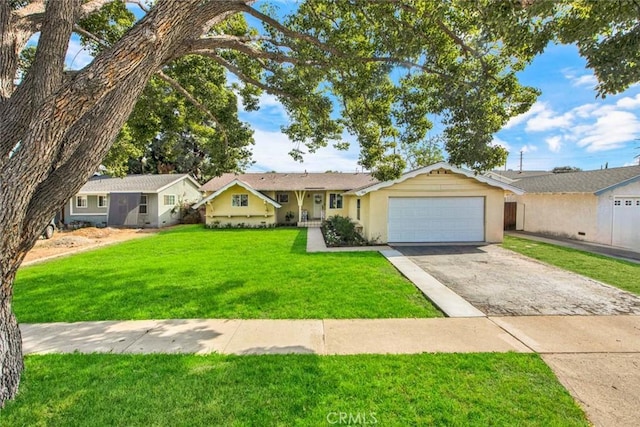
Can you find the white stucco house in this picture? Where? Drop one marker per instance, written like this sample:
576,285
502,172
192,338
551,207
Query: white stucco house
140,201
600,206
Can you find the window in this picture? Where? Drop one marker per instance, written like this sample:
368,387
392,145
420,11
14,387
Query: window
169,200
81,201
637,202
142,207
335,201
627,202
358,209
102,201
240,200
282,198
617,203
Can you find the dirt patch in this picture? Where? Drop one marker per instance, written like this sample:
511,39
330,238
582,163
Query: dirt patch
69,242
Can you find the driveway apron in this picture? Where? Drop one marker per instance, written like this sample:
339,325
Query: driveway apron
502,283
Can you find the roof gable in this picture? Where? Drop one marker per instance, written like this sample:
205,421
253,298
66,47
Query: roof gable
441,165
241,184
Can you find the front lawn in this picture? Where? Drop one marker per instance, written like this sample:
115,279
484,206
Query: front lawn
618,273
191,272
285,390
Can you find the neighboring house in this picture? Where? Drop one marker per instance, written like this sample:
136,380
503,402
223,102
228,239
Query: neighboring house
438,203
145,201
600,206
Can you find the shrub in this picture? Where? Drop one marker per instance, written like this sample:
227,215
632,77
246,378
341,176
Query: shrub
341,231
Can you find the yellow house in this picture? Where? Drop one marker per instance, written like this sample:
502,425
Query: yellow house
438,203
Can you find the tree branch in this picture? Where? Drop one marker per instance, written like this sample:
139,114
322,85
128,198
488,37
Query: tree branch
48,67
242,76
200,106
291,33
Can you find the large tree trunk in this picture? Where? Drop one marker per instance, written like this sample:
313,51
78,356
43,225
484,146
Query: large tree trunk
56,128
11,363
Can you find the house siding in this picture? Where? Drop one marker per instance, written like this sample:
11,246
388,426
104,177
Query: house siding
258,212
91,214
564,215
185,192
439,183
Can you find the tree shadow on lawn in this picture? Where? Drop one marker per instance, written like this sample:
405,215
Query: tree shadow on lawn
91,297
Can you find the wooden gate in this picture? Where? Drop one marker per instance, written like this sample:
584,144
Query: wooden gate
510,215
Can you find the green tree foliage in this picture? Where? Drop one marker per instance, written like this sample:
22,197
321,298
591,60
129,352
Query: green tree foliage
607,33
378,70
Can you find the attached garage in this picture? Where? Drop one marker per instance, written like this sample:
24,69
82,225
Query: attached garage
600,206
440,203
626,217
436,219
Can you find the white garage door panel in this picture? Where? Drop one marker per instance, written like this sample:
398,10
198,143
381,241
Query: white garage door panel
626,217
436,219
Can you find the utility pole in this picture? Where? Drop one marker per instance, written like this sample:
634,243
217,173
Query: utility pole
521,160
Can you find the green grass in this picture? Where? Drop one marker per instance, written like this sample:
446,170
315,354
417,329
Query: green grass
191,272
290,390
618,273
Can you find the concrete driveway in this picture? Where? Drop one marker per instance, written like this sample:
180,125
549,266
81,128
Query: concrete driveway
503,283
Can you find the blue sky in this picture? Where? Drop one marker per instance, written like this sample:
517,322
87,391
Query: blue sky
568,125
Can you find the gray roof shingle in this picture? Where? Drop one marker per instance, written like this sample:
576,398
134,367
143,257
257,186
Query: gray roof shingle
293,181
515,175
578,182
130,183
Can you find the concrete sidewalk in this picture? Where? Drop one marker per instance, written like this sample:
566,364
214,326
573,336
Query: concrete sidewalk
597,358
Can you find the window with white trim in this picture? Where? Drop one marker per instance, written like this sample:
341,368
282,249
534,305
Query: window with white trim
335,201
358,209
169,199
282,198
142,206
617,202
240,200
103,202
627,202
81,202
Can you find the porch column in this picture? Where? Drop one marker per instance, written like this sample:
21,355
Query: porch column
300,198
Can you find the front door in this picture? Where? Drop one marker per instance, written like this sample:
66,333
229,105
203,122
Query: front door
318,205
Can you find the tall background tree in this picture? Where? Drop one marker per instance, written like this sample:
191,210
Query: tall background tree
329,63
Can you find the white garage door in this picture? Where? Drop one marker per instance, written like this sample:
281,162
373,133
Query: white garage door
436,219
626,217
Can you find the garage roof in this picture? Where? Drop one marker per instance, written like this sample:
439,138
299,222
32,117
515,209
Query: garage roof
441,165
596,182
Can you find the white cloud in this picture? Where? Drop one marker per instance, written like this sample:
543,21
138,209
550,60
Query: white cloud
629,103
554,143
611,130
535,109
271,153
529,148
500,142
548,119
579,80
